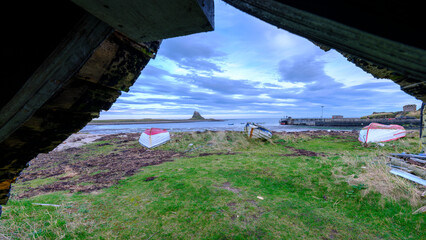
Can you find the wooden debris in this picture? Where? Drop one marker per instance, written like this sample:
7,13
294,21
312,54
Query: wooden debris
418,160
46,204
420,210
413,168
406,155
404,164
408,176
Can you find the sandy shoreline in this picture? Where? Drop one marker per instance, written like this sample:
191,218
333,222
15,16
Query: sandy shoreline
77,140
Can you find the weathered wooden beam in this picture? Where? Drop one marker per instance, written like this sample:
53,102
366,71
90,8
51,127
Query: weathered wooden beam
382,34
408,156
408,176
423,127
416,170
94,87
116,63
149,20
54,73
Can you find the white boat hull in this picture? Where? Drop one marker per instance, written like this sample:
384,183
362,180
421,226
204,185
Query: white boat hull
257,131
151,138
381,133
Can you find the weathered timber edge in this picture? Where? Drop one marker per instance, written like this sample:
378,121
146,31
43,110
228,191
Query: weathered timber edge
112,67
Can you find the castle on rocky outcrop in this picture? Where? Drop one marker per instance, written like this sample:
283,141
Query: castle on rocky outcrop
409,108
197,116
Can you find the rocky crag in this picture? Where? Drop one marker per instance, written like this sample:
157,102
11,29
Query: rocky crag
196,116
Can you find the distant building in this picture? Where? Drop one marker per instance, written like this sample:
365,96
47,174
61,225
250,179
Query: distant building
409,108
337,116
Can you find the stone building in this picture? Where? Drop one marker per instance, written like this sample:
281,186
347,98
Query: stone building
409,108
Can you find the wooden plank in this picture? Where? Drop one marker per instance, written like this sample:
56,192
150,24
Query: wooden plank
418,160
56,70
406,155
151,20
399,162
408,176
423,127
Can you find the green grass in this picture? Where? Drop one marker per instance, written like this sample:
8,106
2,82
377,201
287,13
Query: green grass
212,194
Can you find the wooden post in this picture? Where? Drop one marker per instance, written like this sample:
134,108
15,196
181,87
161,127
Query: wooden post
423,127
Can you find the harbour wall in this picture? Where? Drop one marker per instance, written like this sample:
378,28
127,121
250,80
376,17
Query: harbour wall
351,122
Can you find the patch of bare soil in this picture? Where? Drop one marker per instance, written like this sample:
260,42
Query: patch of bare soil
94,172
217,153
302,152
228,187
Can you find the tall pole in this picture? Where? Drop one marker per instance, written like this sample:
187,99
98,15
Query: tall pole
322,111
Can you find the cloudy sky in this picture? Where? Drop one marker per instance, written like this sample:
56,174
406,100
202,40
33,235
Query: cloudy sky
247,68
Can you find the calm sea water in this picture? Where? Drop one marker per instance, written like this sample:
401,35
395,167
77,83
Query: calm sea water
229,125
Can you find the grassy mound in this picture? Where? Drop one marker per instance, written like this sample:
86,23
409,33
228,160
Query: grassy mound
220,185
401,114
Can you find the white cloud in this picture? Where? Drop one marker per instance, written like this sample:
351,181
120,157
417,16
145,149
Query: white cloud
250,68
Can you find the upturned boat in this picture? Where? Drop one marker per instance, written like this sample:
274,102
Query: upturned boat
376,132
154,137
257,131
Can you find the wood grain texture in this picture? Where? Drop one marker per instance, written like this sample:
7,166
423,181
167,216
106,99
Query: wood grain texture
151,20
75,104
53,74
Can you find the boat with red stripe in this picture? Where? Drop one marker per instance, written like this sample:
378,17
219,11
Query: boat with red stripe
154,137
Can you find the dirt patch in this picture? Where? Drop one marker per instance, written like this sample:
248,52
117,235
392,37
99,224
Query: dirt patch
332,235
149,179
302,152
228,187
76,173
219,153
